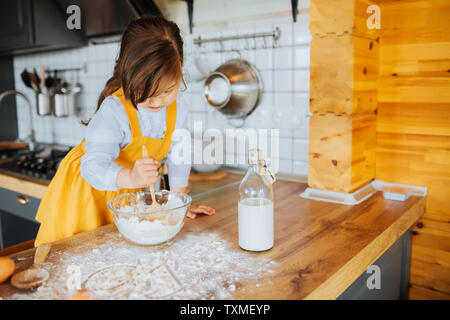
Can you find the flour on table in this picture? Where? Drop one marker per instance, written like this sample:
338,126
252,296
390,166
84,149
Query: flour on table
195,266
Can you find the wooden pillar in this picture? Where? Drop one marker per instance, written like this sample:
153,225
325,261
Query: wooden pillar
343,95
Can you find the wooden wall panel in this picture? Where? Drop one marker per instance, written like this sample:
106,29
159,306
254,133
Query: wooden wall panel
414,22
415,119
413,128
424,293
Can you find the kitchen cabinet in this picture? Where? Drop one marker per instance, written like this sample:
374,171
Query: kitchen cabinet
8,111
393,267
16,24
28,26
17,212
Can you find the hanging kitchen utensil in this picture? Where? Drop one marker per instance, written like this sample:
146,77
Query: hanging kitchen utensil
38,79
49,82
234,89
34,82
294,5
26,78
42,80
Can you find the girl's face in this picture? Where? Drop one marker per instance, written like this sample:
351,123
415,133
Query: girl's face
155,104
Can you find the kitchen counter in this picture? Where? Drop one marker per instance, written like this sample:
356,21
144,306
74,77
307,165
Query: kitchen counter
320,248
22,184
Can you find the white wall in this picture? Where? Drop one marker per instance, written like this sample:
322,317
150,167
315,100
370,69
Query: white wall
285,72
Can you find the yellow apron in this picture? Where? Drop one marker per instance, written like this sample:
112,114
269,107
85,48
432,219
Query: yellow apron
71,205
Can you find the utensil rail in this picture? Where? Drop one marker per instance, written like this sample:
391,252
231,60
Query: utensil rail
275,34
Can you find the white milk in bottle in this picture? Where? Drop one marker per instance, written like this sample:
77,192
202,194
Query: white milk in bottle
255,208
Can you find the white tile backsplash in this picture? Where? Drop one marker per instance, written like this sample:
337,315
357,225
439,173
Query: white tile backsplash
282,58
285,167
300,150
267,79
301,57
283,81
283,99
198,103
300,168
301,80
285,148
284,69
264,59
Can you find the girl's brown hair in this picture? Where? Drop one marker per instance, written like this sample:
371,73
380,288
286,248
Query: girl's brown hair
150,60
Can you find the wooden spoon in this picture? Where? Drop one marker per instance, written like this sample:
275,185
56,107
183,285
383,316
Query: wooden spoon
34,276
43,78
155,205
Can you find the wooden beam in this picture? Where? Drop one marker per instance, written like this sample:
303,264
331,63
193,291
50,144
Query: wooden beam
341,17
343,75
343,95
341,151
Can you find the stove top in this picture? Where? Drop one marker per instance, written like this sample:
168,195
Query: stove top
40,165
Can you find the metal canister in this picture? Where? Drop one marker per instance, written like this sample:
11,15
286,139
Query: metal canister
43,104
61,107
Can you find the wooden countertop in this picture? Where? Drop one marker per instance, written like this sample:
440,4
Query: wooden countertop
321,248
22,184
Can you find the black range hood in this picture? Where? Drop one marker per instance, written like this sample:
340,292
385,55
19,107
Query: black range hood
110,17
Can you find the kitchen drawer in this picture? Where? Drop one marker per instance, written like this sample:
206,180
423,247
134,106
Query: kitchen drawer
17,204
15,230
394,275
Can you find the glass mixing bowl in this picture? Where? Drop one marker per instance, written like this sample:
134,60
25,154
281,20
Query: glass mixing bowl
141,224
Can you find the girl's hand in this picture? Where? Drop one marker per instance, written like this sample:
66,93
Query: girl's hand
196,209
144,172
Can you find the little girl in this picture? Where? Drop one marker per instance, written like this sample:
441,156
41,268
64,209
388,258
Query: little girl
140,105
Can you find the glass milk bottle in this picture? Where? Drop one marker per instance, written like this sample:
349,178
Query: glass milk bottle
255,208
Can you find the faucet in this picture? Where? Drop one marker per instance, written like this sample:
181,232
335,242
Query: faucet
31,137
